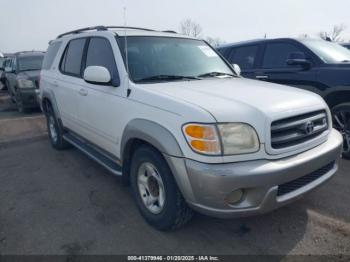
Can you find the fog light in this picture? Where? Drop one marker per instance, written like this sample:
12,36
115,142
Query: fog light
234,197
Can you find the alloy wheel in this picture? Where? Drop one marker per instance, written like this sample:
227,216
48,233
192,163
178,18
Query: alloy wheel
151,188
341,122
52,127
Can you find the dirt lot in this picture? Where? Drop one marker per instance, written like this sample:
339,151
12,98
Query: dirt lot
63,203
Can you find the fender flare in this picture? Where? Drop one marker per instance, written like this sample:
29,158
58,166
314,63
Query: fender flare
49,95
152,133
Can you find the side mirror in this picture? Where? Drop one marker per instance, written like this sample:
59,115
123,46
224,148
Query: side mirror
298,58
237,69
97,75
8,70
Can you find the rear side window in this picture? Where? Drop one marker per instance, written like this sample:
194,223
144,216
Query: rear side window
244,56
100,53
50,55
276,55
71,62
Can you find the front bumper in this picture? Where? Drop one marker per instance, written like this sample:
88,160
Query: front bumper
29,98
210,184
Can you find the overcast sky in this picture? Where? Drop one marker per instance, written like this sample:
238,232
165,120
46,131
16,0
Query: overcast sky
30,24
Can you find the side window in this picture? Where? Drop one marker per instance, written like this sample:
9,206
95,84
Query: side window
72,58
50,55
244,56
100,53
13,64
276,55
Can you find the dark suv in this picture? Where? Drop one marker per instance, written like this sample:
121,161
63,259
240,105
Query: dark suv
347,45
22,72
315,65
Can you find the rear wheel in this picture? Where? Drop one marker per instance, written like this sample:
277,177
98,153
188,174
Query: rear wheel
155,190
55,131
341,122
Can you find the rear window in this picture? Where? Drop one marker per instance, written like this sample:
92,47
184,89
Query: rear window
244,56
51,54
71,62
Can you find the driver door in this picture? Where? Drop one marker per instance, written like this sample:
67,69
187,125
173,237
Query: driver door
274,67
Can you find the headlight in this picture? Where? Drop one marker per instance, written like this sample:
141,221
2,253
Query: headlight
203,138
24,83
236,138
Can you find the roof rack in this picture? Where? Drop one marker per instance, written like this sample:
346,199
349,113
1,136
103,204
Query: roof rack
103,28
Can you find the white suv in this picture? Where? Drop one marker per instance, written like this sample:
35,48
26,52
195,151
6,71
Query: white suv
172,117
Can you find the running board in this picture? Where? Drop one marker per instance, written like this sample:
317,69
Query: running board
94,154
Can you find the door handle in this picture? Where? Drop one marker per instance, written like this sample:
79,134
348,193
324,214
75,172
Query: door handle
261,77
83,92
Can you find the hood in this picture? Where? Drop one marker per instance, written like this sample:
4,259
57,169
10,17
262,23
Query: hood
236,99
32,75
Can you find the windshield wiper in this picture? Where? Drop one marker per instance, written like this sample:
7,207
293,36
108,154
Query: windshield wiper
215,74
167,78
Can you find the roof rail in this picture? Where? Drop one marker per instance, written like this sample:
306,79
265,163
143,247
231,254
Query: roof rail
170,31
80,30
105,28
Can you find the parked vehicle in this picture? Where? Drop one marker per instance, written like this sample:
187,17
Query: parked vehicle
6,63
22,72
2,60
316,65
173,119
347,45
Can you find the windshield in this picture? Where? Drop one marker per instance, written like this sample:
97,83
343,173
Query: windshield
171,59
29,63
330,53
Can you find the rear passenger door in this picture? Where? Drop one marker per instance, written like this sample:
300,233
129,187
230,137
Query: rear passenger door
274,67
246,57
69,82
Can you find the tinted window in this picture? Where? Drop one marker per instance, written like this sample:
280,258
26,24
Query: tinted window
244,56
100,54
71,63
30,63
276,55
50,55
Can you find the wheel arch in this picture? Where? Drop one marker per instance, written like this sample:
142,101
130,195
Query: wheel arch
48,99
338,97
141,131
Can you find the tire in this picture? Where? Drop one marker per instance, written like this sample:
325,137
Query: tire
55,131
19,104
170,211
341,122
10,92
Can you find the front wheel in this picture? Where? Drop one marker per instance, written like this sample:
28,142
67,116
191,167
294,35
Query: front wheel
19,103
155,190
341,122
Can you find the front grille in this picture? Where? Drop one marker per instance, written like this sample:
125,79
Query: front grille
302,181
298,129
